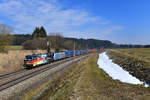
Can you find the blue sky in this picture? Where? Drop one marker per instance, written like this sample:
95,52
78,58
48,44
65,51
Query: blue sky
120,21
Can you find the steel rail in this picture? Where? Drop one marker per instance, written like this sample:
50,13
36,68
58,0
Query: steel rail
29,75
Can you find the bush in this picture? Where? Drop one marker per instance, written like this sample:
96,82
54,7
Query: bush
35,44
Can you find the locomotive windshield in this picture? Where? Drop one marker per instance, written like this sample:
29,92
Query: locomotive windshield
30,57
34,57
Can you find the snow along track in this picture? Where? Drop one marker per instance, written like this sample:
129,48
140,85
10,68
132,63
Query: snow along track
115,71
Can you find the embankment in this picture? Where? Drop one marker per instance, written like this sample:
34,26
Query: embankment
136,67
13,60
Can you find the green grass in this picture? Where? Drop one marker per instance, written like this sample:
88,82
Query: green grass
14,47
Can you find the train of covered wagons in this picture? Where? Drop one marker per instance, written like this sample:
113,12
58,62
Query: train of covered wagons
34,60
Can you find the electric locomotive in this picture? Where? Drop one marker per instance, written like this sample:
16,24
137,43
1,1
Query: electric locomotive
38,59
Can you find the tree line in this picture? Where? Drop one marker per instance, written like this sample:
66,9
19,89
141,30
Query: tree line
40,40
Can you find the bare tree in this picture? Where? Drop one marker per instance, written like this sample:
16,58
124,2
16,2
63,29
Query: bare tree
4,29
56,40
5,37
35,44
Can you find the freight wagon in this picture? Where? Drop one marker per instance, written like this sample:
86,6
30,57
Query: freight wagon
40,59
92,50
59,55
69,53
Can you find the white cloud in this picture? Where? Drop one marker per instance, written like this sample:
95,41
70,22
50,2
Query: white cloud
30,13
112,29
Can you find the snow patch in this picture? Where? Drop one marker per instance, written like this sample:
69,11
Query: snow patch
115,71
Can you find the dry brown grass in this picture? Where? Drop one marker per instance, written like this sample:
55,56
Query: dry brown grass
60,86
13,60
88,82
142,54
95,84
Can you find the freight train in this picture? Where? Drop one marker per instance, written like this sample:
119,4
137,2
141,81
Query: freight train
40,59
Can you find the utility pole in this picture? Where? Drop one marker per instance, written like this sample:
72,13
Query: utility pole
48,46
74,48
87,46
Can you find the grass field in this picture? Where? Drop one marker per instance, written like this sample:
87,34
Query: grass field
142,54
87,82
14,47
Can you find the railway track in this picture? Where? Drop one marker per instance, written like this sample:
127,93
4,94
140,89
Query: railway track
14,78
12,73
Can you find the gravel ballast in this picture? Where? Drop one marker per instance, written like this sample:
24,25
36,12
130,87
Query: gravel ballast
19,89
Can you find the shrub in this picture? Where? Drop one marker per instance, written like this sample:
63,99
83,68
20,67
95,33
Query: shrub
35,44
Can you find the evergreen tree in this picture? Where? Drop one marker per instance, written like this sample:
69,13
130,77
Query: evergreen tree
39,33
36,33
42,32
